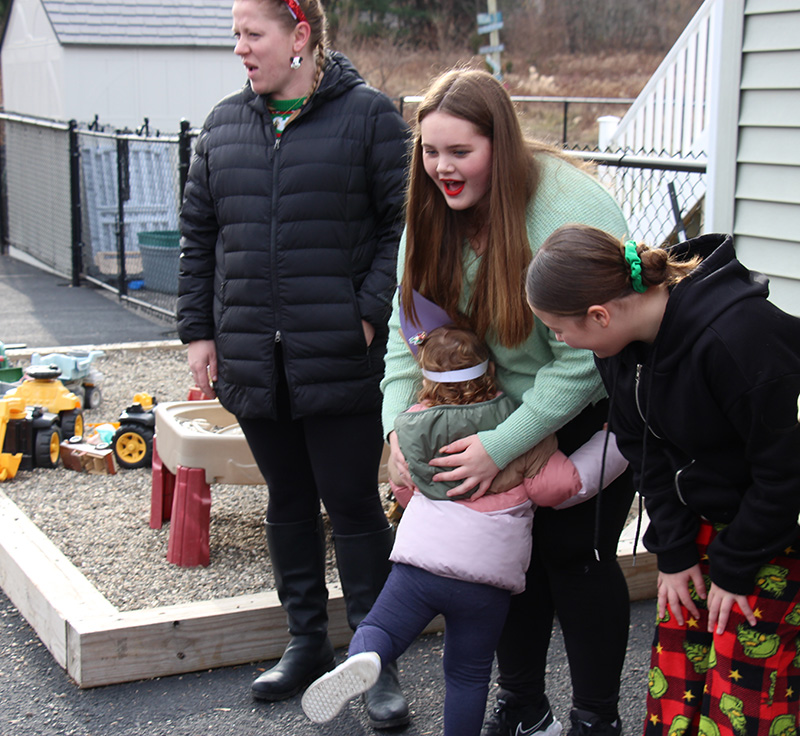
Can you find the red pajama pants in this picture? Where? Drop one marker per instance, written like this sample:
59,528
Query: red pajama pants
744,682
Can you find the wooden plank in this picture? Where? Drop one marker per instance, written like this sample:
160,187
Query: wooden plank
177,639
172,640
99,645
640,570
41,582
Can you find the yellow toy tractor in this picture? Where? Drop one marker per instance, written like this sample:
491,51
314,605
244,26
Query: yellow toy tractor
133,441
42,413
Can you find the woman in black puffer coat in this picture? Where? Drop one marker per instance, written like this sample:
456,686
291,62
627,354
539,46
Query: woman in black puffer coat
291,218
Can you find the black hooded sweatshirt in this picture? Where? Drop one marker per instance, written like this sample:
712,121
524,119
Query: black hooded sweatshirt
707,415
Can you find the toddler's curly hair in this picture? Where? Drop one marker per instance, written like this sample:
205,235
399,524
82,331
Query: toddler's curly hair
450,349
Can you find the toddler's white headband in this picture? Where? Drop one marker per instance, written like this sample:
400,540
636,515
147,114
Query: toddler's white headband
459,376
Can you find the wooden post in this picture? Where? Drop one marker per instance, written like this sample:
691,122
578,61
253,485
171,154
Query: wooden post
491,22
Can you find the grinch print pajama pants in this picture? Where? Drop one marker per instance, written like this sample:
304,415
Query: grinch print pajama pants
744,682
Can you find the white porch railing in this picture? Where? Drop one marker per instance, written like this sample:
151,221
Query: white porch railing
669,117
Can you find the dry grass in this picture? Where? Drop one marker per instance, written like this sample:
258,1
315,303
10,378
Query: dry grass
400,71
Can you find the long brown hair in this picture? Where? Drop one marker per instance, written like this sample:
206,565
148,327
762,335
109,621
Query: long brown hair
435,233
451,349
579,266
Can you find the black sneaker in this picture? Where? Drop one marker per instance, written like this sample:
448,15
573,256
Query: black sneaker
586,723
512,718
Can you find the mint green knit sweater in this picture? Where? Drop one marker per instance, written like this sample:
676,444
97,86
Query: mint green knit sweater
552,382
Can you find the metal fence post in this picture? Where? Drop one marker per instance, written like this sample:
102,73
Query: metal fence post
75,203
123,195
184,156
3,193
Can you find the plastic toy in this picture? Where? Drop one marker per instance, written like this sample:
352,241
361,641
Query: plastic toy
8,376
133,441
9,461
43,412
77,374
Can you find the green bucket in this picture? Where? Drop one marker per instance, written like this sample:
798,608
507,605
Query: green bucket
160,259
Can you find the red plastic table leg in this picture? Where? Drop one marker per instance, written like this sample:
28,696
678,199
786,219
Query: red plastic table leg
191,515
162,490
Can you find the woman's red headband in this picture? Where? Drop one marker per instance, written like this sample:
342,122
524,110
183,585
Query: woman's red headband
296,10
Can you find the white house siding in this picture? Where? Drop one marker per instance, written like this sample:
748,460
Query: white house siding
122,60
162,84
766,221
32,63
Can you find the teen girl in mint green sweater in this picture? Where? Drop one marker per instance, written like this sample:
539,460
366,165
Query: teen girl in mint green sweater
481,201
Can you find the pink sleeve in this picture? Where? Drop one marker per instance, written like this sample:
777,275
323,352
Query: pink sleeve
401,493
557,481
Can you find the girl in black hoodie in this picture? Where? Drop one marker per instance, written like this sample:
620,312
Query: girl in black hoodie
703,374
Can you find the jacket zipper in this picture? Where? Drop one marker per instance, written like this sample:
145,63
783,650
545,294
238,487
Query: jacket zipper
273,233
678,482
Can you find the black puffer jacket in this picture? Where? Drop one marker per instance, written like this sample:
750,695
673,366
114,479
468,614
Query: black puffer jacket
714,403
295,241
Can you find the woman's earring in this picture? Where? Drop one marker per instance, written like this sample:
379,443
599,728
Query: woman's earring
296,61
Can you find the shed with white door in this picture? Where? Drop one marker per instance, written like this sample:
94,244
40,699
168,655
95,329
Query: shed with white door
120,60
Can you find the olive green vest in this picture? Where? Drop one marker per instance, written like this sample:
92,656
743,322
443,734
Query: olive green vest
423,433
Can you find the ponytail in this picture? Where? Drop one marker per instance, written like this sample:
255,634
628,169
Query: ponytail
578,266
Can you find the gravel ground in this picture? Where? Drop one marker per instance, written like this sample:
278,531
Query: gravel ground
101,522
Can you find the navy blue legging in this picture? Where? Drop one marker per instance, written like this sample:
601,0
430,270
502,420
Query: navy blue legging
474,616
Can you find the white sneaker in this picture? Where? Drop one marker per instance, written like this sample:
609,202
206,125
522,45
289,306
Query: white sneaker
326,696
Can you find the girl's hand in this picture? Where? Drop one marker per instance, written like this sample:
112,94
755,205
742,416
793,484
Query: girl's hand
720,603
673,590
203,365
471,464
397,465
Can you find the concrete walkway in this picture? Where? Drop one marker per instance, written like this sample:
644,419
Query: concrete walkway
40,310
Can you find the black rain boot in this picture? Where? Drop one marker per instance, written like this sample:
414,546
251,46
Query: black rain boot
298,562
363,562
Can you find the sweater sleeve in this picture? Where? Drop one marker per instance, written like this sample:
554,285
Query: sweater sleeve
568,382
557,393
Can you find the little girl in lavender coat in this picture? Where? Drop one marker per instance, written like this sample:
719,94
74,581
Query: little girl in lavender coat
460,558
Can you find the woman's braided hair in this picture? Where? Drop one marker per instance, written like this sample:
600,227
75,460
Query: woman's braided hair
315,16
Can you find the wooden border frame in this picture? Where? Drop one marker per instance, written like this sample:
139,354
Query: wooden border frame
99,645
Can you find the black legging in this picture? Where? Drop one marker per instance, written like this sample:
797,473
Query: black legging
333,459
590,597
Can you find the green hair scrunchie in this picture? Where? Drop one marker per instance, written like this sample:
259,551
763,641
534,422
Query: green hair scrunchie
635,263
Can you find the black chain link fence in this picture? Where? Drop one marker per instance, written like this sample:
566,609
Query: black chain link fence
103,206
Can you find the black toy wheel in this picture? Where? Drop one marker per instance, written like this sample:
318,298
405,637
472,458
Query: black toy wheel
92,396
72,423
133,446
46,448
